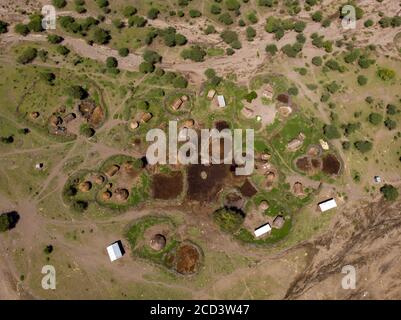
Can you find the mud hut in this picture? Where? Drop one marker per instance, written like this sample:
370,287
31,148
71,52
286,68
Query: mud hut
85,186
211,93
146,116
184,98
106,195
112,170
278,222
34,115
55,121
99,179
263,205
298,188
70,117
121,194
177,104
134,124
158,242
270,177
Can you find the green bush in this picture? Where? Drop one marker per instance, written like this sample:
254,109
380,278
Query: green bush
153,13
129,11
331,131
77,92
228,220
390,124
317,16
271,48
21,29
59,3
3,27
27,56
123,52
389,192
111,62
317,61
180,82
195,53
151,56
215,9
250,33
386,74
63,50
146,67
375,118
226,19
363,145
193,13
362,80
232,5
54,38
100,36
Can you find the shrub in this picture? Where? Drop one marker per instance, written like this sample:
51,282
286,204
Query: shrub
389,192
153,13
193,13
375,118
250,33
317,16
48,249
352,56
77,92
123,52
229,36
102,3
391,109
146,67
5,222
100,36
293,91
232,5
180,82
21,29
137,21
151,56
390,124
59,3
252,17
215,9
35,23
195,53
368,23
63,50
210,29
129,11
226,19
111,62
118,23
265,3
180,39
317,61
271,48
28,55
3,27
228,220
331,131
54,38
362,80
80,206
363,146
386,74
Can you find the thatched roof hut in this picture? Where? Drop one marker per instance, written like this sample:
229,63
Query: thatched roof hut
134,124
278,222
121,194
99,179
106,195
55,121
263,205
158,242
112,170
146,116
298,188
177,104
85,186
271,176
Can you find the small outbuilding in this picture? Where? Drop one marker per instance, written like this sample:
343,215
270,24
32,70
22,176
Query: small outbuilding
327,205
263,229
378,179
211,94
115,251
158,242
221,101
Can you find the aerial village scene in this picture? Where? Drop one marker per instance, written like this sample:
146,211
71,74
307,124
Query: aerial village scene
79,193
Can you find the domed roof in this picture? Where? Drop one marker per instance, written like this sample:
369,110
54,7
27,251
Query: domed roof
85,186
158,242
122,194
106,195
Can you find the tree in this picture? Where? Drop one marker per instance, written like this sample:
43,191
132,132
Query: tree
331,131
317,16
54,38
111,62
271,48
151,56
59,3
265,3
252,17
193,13
129,11
368,23
8,220
102,3
390,124
180,39
180,82
35,23
362,80
210,29
146,67
195,53
21,29
232,5
80,206
363,145
229,36
123,52
118,23
226,18
77,92
375,118
100,36
391,109
27,56
317,61
63,50
3,27
48,77
153,13
229,220
137,21
250,33
48,249
299,26
389,192
386,74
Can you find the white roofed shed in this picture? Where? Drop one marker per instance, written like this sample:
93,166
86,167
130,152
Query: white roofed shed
263,229
327,205
115,251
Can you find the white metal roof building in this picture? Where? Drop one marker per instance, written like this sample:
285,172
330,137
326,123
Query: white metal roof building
221,101
265,228
115,251
327,205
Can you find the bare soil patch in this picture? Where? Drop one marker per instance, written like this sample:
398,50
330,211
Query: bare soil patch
167,186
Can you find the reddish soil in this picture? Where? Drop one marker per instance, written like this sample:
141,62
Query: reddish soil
200,189
187,259
247,189
316,163
167,186
331,165
284,98
220,125
303,164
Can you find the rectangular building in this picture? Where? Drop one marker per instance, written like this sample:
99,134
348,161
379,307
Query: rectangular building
221,101
115,251
263,229
327,205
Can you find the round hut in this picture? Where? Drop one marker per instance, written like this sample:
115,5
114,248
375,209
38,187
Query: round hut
106,195
121,194
158,242
85,186
99,179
